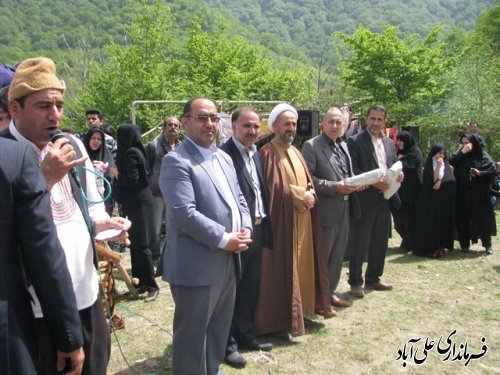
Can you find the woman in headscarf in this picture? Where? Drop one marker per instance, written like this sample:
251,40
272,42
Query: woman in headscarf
405,218
137,204
103,162
474,171
436,209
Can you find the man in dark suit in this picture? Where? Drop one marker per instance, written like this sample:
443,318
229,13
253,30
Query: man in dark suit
31,252
329,163
246,159
369,234
207,223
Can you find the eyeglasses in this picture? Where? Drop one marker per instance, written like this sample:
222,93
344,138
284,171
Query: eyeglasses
204,118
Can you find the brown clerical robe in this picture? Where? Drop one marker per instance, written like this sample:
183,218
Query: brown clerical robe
294,277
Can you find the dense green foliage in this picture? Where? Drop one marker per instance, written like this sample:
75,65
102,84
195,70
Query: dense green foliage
112,52
296,28
152,67
403,73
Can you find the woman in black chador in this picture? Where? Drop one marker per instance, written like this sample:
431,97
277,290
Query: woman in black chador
436,209
474,171
137,204
405,218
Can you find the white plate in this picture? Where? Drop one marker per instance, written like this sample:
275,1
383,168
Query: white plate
106,234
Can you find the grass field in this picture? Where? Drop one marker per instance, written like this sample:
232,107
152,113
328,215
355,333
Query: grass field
431,298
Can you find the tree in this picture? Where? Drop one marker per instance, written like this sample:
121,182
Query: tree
139,70
217,65
473,90
404,74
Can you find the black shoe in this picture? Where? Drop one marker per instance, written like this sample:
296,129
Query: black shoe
283,336
141,289
235,359
255,345
152,295
312,325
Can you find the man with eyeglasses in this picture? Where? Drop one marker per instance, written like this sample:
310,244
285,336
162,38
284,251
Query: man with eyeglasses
156,150
208,222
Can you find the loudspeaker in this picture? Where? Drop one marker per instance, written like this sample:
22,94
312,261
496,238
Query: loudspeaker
414,131
308,122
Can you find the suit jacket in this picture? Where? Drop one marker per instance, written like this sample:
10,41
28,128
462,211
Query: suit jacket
30,251
326,174
197,216
364,159
247,188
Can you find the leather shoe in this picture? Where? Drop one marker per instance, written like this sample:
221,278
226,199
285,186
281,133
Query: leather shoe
283,336
310,324
357,291
255,345
235,359
340,302
152,295
380,286
141,290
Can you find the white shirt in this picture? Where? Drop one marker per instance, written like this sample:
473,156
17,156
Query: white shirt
72,230
378,144
210,156
247,155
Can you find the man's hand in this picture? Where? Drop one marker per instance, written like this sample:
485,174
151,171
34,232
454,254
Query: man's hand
239,241
401,177
342,188
76,357
58,162
381,185
309,200
114,223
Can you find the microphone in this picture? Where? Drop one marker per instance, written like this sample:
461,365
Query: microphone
54,136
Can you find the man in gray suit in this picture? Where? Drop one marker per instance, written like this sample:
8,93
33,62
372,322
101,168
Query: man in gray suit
208,222
329,163
369,234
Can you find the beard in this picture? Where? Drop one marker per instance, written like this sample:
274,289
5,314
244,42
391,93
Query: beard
287,137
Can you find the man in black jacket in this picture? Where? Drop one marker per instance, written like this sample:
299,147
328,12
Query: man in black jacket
31,252
246,160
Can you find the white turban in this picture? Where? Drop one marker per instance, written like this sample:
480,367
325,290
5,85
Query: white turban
278,110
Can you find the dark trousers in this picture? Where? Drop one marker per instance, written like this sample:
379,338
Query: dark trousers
96,343
247,294
142,267
369,235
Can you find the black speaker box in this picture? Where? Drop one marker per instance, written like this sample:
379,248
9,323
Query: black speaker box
308,122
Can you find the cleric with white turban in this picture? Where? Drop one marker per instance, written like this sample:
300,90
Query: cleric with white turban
278,110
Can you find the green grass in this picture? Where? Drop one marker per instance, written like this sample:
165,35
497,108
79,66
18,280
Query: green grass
431,298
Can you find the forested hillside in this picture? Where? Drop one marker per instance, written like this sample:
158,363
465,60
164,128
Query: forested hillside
300,29
432,63
305,23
